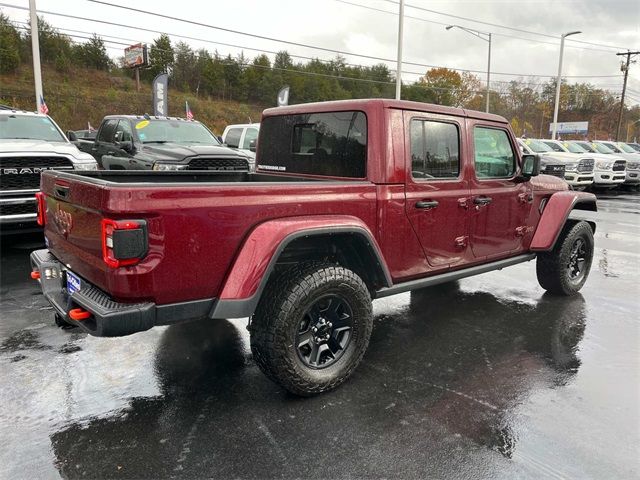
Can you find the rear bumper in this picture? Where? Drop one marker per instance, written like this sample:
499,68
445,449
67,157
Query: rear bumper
108,317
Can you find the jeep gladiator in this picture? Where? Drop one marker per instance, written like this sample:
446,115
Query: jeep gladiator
351,201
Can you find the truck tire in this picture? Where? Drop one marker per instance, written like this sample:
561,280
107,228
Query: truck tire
563,270
312,327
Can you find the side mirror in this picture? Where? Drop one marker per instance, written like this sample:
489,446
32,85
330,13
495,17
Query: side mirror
71,135
252,146
530,166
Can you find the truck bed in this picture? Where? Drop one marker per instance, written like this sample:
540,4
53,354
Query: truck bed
186,177
196,223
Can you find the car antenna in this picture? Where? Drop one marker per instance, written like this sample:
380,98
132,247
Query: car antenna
146,116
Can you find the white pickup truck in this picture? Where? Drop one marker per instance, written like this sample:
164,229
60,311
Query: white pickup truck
30,143
609,171
633,161
577,171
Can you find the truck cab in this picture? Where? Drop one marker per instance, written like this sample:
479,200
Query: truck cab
143,142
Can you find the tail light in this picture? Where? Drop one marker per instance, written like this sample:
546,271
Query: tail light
42,206
124,242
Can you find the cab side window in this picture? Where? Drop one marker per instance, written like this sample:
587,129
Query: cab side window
250,135
233,137
107,131
434,149
494,157
123,132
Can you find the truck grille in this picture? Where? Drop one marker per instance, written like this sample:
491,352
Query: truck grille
23,173
586,165
555,170
218,163
17,209
619,166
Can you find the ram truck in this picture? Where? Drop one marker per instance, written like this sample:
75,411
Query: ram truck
30,143
143,142
351,201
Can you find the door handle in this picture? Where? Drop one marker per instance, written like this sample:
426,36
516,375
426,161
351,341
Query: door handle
427,204
482,200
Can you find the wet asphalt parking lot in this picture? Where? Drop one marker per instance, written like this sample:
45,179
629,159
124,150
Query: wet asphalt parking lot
487,378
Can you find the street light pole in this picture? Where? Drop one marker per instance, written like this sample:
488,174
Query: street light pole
400,36
554,127
486,38
35,51
488,73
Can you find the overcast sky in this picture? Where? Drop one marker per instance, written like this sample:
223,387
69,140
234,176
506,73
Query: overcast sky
343,25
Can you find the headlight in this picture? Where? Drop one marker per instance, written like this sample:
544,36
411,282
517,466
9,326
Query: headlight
604,165
86,166
571,167
168,166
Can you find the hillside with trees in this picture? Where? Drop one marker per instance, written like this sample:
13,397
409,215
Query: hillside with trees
82,84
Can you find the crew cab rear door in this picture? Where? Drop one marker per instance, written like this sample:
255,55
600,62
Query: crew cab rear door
499,203
436,188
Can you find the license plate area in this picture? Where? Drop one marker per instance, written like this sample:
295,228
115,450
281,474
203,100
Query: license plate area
73,282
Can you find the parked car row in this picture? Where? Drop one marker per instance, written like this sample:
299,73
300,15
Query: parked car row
588,164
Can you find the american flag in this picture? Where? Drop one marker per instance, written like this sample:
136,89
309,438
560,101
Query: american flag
188,110
43,106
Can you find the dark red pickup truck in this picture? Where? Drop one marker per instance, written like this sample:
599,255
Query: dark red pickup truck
351,201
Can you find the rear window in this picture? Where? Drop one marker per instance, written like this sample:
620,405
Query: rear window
332,144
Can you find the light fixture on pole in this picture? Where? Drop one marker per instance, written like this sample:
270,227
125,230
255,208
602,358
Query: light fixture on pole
554,126
487,38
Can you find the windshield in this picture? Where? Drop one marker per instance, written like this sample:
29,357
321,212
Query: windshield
538,146
587,146
574,148
626,148
174,131
613,147
29,127
601,148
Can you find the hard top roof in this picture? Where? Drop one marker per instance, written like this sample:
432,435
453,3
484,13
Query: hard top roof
364,104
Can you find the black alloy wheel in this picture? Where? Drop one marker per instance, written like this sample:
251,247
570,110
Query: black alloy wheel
324,332
577,260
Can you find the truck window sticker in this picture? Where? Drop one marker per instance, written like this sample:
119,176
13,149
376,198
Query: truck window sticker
140,125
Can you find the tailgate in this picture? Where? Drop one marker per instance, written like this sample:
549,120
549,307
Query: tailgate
72,225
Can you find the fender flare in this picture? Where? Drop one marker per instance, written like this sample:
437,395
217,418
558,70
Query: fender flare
555,215
256,260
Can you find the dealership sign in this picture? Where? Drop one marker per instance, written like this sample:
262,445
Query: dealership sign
571,127
135,56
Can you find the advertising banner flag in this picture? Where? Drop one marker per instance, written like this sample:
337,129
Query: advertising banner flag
160,98
283,96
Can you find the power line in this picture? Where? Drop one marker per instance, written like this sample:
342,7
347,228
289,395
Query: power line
493,33
497,25
341,52
283,41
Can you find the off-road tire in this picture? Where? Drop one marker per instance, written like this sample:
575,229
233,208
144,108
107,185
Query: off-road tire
283,304
552,267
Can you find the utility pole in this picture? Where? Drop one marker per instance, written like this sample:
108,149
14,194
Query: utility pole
556,106
625,68
399,67
35,51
